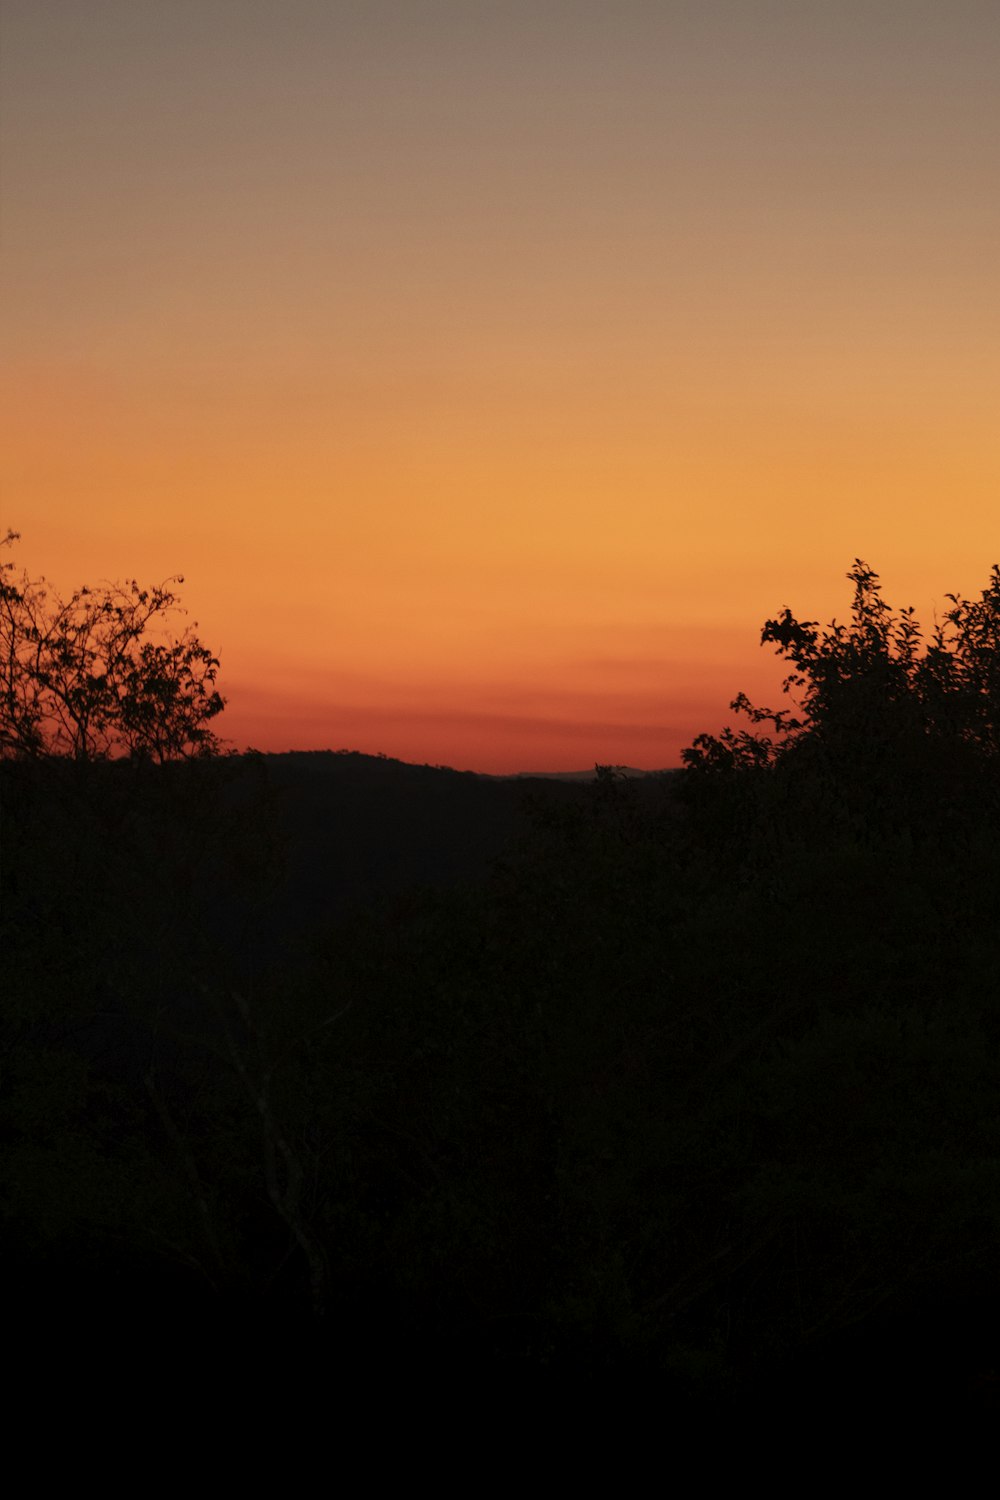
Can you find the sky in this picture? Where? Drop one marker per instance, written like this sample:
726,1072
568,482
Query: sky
492,371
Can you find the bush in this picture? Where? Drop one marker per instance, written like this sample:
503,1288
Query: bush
82,677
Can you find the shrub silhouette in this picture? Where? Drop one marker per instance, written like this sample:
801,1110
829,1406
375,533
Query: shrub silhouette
868,681
698,1081
885,731
83,677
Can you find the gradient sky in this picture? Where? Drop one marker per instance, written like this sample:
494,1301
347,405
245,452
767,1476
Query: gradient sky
493,370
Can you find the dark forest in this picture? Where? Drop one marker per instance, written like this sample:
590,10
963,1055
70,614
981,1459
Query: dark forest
682,1084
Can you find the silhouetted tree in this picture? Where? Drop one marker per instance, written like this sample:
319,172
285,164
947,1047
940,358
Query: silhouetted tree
874,708
83,677
699,1101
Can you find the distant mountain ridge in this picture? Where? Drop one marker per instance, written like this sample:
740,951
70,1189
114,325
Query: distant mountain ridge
630,771
355,759
356,828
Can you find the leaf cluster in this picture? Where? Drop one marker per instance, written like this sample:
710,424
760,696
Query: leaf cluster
100,675
888,731
872,682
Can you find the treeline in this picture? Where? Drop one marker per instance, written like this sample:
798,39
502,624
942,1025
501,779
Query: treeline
694,1089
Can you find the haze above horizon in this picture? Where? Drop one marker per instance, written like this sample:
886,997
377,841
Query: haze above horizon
493,371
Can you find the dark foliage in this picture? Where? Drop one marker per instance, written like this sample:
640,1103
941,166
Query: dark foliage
682,1085
86,677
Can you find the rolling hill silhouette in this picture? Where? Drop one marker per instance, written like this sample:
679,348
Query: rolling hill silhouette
359,828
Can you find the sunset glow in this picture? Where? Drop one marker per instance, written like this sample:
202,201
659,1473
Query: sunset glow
492,371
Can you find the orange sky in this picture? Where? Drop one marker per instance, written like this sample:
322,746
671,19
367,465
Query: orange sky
492,371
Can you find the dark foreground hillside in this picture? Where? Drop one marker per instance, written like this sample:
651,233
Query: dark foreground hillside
684,1086
358,829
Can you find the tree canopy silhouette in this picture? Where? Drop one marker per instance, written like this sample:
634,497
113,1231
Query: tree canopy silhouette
98,675
694,1090
867,688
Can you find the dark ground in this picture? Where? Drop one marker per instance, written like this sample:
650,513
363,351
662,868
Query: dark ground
328,1061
